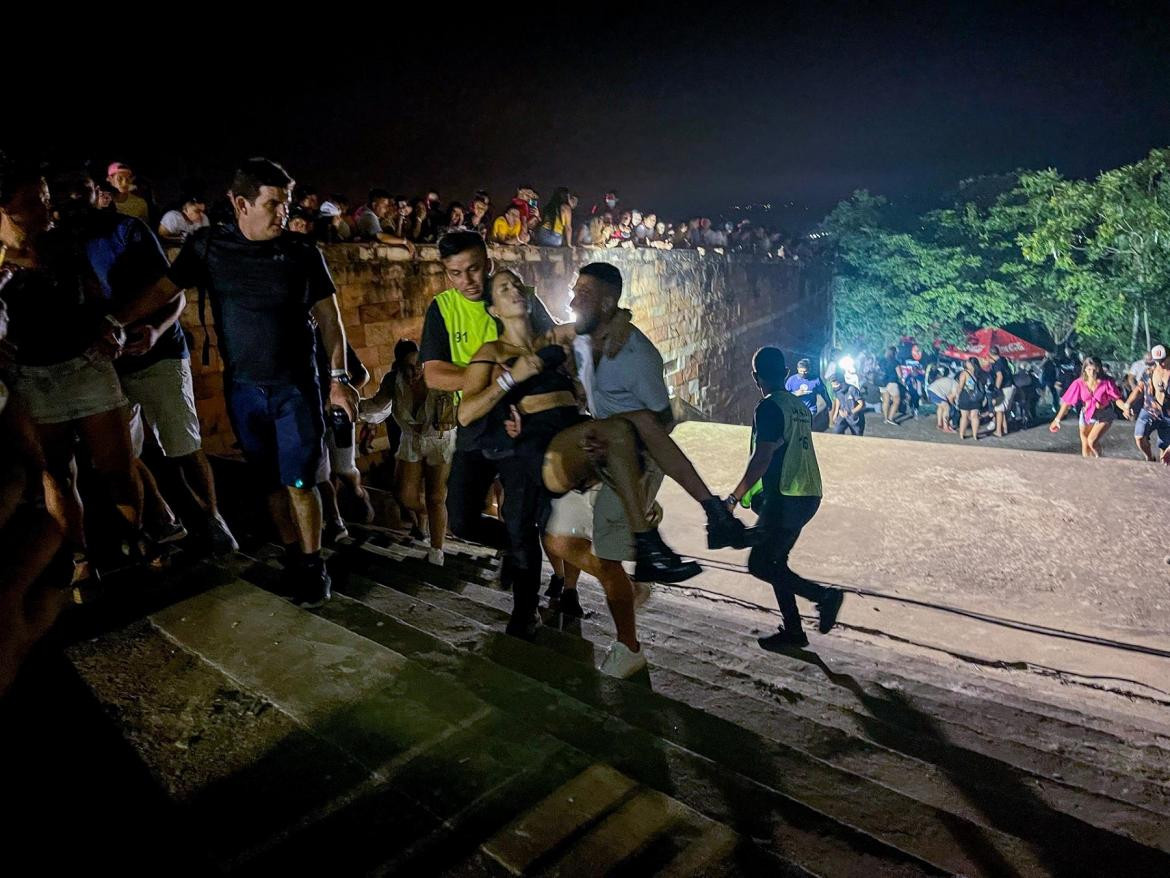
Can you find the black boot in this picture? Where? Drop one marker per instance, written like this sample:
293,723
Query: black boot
556,585
525,618
783,640
827,609
657,562
570,604
723,528
315,584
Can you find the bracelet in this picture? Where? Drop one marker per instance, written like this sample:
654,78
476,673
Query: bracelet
506,381
115,322
732,500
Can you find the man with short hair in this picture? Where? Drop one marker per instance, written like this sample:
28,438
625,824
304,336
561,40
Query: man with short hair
782,481
369,217
121,177
455,326
808,389
267,288
848,412
1154,416
176,225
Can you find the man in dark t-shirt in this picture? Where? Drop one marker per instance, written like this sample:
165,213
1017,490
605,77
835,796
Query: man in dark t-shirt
455,326
782,481
266,288
154,367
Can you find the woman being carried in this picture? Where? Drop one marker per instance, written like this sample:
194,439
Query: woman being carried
519,377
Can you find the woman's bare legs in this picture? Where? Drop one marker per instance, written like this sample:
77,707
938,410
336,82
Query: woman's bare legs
435,479
567,465
1095,433
107,438
408,489
1083,429
619,590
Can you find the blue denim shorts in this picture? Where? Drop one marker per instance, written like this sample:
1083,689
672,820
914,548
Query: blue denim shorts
281,429
1147,422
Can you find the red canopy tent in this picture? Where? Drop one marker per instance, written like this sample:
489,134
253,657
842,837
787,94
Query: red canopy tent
980,343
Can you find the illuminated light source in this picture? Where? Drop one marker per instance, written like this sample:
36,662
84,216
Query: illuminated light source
847,364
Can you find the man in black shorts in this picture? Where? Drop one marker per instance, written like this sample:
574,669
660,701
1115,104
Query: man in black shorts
266,288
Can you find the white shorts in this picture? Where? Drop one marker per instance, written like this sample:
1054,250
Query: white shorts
68,391
572,514
433,449
1003,399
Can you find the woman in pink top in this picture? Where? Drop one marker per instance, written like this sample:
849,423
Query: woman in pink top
1096,392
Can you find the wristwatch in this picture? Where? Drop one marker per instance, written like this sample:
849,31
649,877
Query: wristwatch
340,376
731,500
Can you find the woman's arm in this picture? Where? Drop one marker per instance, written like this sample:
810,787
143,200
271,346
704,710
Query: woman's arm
480,392
567,220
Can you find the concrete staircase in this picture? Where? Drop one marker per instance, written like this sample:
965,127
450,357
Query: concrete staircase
398,731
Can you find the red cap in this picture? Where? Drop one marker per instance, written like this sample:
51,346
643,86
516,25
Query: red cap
115,167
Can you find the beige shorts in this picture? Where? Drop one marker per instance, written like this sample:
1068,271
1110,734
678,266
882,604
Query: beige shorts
163,395
68,391
612,538
1003,399
433,449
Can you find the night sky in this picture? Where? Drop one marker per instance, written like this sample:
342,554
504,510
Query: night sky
686,111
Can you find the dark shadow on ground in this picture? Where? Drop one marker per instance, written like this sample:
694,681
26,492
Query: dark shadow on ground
1065,845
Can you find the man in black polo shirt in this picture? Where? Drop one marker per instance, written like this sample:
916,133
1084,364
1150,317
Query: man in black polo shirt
264,285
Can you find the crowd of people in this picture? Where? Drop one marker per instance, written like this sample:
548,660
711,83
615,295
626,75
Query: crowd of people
967,393
523,219
567,426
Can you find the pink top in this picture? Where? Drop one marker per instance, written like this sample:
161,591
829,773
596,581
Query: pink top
1079,392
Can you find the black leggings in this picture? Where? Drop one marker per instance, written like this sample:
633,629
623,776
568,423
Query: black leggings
782,520
525,502
467,486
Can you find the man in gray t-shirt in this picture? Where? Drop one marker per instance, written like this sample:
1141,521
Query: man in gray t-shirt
631,381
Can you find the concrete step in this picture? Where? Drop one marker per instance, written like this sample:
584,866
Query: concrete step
896,743
786,769
809,841
397,785
720,656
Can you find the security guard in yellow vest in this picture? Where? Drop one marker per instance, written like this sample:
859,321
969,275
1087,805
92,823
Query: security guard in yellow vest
455,326
782,482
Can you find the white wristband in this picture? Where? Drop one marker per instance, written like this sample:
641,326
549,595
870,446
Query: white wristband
506,381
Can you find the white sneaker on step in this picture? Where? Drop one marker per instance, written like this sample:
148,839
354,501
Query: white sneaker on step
622,662
436,557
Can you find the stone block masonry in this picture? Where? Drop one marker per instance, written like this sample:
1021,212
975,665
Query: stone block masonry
706,311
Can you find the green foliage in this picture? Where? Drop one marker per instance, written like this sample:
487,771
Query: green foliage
1076,255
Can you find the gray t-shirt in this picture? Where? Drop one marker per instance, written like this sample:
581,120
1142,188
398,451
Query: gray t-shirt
626,383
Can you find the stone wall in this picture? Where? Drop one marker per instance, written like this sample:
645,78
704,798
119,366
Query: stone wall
706,311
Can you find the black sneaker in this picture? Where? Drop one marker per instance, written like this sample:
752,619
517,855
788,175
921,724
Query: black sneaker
570,604
783,641
171,532
556,584
523,623
416,533
315,584
657,562
827,609
723,528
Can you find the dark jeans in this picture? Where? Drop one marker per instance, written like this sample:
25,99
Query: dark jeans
467,486
857,428
524,498
782,519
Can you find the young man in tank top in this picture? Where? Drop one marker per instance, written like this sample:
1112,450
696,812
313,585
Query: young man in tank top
782,482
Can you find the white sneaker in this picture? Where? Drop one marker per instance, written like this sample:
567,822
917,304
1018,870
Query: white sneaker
436,557
622,662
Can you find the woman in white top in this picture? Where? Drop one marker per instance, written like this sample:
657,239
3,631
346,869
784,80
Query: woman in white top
423,461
